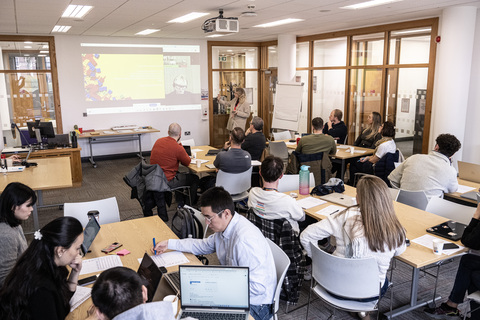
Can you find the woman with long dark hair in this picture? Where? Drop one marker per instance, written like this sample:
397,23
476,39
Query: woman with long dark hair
40,286
16,205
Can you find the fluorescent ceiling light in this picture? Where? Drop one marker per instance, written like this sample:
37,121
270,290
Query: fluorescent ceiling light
188,17
278,23
27,47
45,46
28,42
215,35
41,55
44,51
147,31
368,4
412,31
61,28
74,11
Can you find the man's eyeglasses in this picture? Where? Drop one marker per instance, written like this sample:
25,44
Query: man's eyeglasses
209,220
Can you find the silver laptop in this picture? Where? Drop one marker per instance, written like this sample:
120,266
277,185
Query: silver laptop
469,171
472,195
341,199
208,292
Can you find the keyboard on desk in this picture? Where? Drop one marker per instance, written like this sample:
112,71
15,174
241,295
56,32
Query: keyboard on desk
173,279
214,315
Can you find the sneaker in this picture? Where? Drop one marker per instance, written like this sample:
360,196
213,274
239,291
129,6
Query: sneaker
308,274
443,312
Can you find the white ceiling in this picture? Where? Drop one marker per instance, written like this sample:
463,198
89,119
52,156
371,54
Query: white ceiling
127,17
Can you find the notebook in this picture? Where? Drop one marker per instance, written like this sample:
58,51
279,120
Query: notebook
207,292
341,199
89,233
150,274
469,171
450,230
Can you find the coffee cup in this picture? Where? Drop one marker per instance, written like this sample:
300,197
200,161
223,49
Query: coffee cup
174,301
437,246
199,163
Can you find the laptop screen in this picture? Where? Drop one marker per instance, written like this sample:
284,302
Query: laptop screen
89,234
188,150
150,274
214,287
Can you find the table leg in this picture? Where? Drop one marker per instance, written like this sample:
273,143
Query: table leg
91,153
342,177
414,304
140,155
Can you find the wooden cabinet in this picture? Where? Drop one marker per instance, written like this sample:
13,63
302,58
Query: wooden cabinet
72,153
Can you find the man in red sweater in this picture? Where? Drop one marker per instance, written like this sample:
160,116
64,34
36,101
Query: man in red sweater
168,152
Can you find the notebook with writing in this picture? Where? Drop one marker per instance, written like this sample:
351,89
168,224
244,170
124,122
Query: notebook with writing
450,230
89,233
209,291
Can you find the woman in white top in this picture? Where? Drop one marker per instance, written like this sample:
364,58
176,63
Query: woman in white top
239,110
370,229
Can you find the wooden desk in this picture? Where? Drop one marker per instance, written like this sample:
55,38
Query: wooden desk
107,135
201,155
136,236
72,153
415,221
457,195
50,173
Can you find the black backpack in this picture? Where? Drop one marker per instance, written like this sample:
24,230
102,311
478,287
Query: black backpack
184,224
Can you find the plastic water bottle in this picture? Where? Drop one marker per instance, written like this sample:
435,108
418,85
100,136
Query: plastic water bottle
304,180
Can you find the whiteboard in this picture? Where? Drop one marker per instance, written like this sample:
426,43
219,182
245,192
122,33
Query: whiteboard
287,107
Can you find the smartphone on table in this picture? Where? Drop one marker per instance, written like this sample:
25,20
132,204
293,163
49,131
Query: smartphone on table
112,247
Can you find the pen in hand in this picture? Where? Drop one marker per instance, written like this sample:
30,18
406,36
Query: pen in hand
335,211
154,251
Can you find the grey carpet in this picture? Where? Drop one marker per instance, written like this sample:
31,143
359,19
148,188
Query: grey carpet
106,181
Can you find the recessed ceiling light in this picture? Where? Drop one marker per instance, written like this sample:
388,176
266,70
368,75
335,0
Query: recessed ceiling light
147,31
277,23
41,55
27,42
229,50
74,11
215,35
61,28
26,55
44,51
188,17
27,47
369,4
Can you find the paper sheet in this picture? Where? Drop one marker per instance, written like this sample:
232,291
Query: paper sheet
196,150
168,259
109,132
80,296
343,147
291,143
427,241
330,210
256,163
310,202
463,189
100,264
194,161
359,151
125,131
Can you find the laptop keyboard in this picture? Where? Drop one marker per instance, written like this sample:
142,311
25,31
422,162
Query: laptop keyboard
214,316
174,279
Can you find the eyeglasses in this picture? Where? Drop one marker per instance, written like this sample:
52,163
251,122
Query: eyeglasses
209,220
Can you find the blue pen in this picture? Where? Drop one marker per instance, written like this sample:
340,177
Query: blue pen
154,251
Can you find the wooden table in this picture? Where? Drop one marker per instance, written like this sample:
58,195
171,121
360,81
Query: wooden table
50,173
415,221
457,195
136,236
201,155
108,135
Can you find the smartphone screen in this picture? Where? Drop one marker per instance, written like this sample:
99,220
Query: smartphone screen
112,247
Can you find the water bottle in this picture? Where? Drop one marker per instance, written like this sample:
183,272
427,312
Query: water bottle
304,180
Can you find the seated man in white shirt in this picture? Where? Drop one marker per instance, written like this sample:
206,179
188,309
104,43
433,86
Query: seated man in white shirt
270,204
119,294
383,146
237,242
432,173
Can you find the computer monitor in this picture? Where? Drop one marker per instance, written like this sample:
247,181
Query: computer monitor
46,129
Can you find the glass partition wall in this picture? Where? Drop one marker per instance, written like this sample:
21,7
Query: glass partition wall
28,84
388,69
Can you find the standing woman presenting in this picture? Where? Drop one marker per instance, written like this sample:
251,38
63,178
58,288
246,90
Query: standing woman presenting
239,110
40,286
16,205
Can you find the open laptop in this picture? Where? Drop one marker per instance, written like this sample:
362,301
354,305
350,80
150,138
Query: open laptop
450,230
207,292
469,171
340,198
89,233
213,152
151,275
188,150
471,195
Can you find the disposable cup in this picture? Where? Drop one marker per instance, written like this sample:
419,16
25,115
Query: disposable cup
352,150
199,163
174,301
437,246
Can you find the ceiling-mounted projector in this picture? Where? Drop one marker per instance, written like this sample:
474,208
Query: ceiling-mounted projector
221,24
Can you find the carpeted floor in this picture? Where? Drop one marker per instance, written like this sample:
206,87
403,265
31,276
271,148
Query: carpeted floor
106,181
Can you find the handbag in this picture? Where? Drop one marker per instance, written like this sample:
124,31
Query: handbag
333,185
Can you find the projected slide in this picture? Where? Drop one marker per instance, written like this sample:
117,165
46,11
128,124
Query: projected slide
109,77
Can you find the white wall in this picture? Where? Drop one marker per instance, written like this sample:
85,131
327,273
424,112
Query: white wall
471,143
70,78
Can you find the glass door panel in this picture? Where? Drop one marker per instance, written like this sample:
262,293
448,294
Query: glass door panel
328,92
